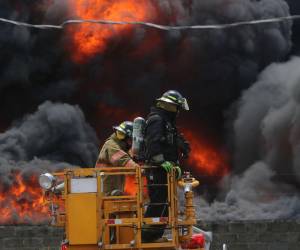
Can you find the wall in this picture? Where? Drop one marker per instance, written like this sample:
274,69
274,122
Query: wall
249,235
255,235
30,237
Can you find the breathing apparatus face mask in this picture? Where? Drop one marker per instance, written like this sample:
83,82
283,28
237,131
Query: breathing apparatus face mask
120,135
168,106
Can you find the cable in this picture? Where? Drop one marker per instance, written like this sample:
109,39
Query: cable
153,25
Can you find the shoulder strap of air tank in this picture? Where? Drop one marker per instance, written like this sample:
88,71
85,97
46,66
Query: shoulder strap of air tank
154,117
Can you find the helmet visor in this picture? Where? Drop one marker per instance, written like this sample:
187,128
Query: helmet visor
118,128
184,104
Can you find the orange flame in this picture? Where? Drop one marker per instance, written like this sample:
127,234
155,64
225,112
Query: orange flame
130,185
91,39
206,159
22,202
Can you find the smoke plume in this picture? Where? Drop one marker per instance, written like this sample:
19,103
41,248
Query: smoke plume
295,10
211,67
55,137
56,132
255,195
40,70
267,126
267,133
32,62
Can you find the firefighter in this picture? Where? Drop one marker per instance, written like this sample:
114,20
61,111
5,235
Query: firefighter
116,152
164,146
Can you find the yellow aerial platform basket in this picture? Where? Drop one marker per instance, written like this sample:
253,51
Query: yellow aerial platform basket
94,221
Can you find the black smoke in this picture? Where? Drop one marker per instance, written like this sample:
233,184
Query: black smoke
53,138
56,132
295,10
32,64
254,195
211,68
271,111
266,179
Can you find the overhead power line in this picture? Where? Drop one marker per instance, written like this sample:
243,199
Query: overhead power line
153,25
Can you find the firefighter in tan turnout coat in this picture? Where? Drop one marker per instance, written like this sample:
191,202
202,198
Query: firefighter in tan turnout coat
116,153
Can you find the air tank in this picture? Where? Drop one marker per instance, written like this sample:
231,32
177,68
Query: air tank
138,138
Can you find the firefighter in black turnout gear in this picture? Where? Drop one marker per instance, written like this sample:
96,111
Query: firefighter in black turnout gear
164,146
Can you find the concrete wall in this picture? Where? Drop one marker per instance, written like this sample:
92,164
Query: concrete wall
254,235
30,237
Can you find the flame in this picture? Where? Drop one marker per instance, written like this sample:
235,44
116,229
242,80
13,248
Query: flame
130,185
22,202
91,39
206,159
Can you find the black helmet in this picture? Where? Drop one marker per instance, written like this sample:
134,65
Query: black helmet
174,97
125,127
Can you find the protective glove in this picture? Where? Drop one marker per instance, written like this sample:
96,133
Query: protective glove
167,166
178,172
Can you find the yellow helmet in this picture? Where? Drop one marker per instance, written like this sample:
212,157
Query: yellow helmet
124,128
